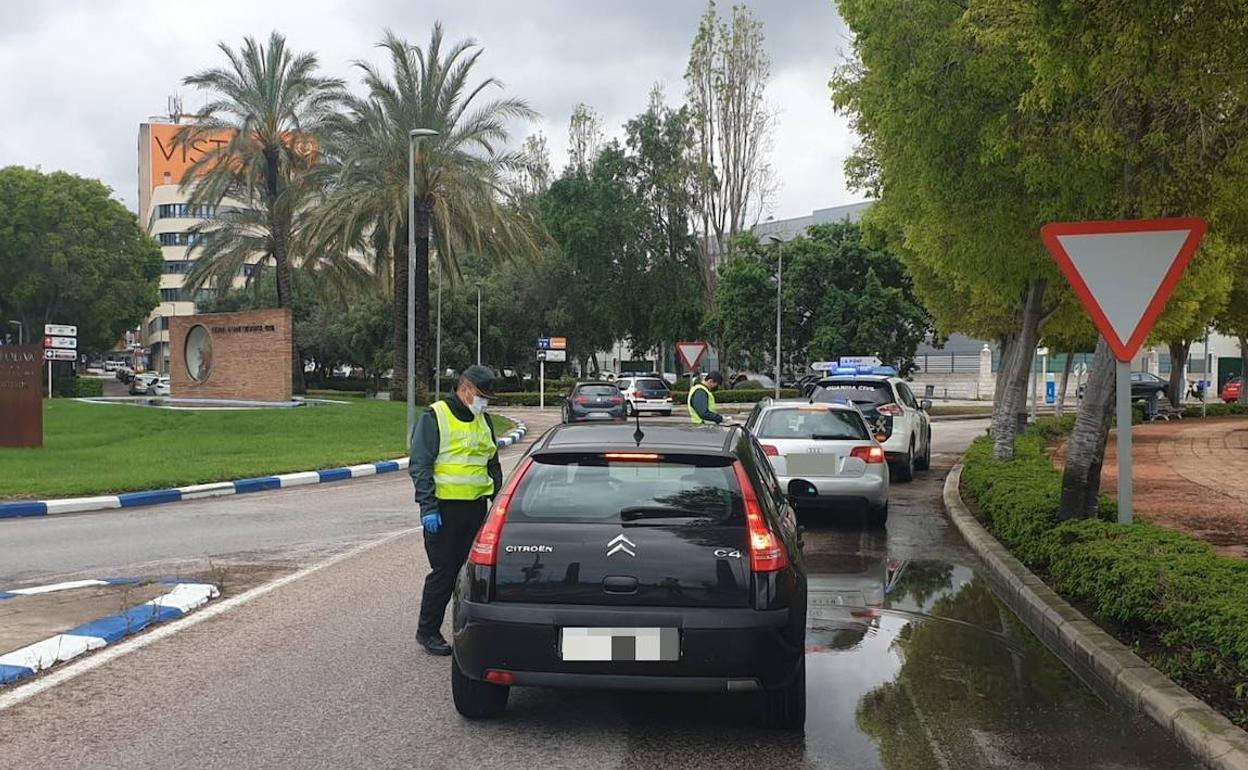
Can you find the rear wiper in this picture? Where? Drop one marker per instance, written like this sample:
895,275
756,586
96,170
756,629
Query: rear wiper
635,512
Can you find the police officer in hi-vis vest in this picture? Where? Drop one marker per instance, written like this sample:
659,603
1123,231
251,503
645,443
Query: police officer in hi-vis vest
455,469
702,400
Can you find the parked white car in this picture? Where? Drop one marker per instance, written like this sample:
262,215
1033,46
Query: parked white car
645,394
161,386
898,419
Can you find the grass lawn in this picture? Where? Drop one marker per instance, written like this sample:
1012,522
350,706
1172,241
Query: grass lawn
105,448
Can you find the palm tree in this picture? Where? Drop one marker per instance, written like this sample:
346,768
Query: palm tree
461,177
268,108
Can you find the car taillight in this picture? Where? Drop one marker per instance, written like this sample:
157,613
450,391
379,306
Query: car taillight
770,450
892,410
615,400
494,676
485,547
868,454
581,399
766,551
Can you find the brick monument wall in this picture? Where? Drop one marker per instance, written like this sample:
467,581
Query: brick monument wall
21,396
243,356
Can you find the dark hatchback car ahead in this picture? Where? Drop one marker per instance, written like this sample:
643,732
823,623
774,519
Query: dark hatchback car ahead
593,401
672,563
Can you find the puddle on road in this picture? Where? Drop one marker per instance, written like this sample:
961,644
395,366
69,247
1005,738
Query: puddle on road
916,664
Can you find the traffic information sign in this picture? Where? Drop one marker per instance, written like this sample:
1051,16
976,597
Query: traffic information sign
60,330
1124,271
65,343
691,353
52,354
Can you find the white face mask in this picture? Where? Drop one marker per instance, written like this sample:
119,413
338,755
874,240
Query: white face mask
478,405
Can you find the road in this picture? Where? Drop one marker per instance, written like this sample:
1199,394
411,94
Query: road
323,672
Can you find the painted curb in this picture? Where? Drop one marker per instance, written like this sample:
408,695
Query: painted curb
24,508
1100,660
25,662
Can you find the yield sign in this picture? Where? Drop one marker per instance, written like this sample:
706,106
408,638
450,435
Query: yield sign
1124,271
691,353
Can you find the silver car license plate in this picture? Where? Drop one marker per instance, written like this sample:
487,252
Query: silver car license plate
810,464
619,644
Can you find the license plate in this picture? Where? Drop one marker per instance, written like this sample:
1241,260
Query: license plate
599,415
619,644
811,464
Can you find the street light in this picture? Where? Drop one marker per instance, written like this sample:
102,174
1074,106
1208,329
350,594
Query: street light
478,323
21,331
779,283
412,136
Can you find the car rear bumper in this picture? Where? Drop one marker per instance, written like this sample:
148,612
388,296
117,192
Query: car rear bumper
652,406
721,649
869,489
596,415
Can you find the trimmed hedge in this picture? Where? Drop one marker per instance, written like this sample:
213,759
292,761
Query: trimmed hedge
1186,606
739,396
679,397
77,387
1218,409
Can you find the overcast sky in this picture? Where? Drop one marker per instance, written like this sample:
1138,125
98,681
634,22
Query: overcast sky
80,75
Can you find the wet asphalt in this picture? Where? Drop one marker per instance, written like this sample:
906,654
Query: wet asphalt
912,663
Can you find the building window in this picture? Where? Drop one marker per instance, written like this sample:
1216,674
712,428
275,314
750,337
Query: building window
180,239
171,295
185,211
177,266
158,324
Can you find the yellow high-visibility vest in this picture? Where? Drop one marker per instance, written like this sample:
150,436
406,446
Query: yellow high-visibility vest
464,451
710,402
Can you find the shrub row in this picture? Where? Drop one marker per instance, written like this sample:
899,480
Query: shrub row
77,387
1167,589
739,395
1217,410
679,398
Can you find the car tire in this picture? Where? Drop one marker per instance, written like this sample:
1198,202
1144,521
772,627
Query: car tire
785,708
905,469
475,699
924,461
878,517
668,413
628,409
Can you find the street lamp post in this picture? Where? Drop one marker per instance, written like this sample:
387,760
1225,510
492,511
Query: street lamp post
412,136
478,323
779,283
21,331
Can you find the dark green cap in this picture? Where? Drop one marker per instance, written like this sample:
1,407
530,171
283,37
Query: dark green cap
482,377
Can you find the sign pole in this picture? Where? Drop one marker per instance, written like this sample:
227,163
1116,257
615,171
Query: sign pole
541,388
1124,442
49,379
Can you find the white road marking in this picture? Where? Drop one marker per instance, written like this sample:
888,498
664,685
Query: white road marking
24,692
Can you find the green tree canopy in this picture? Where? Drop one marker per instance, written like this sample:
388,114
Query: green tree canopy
71,254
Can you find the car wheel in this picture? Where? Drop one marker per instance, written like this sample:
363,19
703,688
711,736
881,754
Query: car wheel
475,699
905,468
924,462
668,413
878,517
628,409
785,708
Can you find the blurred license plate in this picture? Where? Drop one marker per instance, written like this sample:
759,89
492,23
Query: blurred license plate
619,644
811,464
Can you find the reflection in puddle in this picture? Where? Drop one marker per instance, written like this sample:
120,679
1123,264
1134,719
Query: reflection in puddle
915,664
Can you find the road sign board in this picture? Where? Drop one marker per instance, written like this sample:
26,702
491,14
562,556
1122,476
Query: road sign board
1124,271
53,354
691,353
60,330
552,343
860,361
554,356
65,343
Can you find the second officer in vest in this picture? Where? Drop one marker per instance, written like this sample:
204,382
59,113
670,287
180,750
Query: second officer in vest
702,400
455,468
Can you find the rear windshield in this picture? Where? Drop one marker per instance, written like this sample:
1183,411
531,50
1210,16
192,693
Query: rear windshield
651,385
598,390
591,489
857,393
826,424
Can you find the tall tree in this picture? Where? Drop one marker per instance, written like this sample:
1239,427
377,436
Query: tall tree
585,137
725,79
273,106
461,176
71,254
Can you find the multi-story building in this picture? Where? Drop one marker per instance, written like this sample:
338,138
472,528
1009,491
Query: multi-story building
169,217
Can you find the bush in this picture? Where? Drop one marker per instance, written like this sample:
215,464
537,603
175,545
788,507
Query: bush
738,396
77,387
357,384
1190,604
1217,410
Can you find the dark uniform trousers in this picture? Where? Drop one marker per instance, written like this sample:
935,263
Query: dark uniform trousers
447,550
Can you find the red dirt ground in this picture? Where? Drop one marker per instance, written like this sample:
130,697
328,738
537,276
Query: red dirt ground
1190,475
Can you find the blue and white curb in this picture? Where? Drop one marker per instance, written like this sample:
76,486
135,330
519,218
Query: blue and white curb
24,508
33,658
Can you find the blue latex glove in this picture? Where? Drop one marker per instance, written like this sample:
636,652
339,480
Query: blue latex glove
432,522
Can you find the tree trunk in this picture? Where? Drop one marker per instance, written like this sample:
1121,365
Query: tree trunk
1085,452
1243,369
1178,364
398,383
420,285
1016,366
1060,407
1006,342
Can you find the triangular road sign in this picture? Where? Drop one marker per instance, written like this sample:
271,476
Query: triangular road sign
691,353
1124,271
